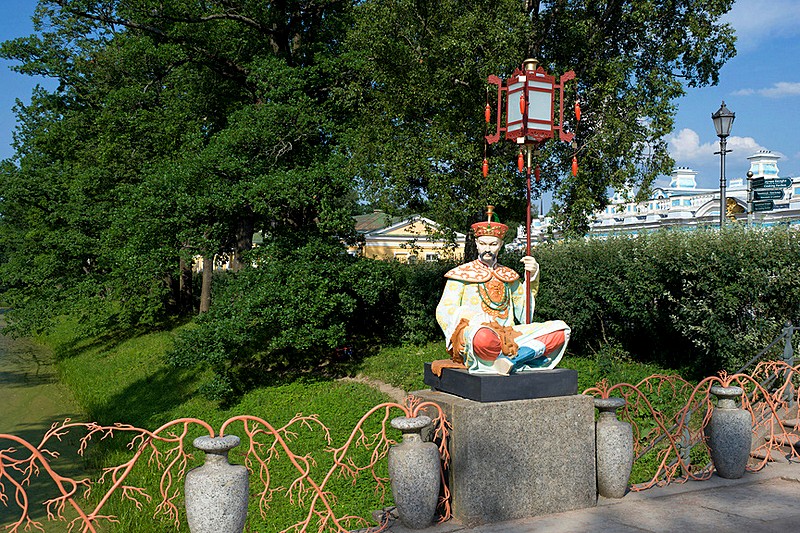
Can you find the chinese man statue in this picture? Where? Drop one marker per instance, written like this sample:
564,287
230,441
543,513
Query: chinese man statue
482,313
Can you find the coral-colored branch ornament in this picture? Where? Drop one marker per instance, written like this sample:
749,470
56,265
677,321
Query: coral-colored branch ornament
676,440
671,439
165,449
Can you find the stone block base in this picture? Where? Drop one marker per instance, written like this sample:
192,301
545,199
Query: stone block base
516,459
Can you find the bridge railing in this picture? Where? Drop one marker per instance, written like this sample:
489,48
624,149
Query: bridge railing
669,415
168,450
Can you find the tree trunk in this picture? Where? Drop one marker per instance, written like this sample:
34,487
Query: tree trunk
244,241
185,292
470,250
205,292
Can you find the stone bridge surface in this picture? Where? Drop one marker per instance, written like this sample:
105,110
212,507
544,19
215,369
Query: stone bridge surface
760,502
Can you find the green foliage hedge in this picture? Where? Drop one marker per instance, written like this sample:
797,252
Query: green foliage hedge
699,300
703,300
314,307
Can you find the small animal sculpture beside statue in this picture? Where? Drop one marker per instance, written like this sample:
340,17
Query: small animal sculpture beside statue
482,314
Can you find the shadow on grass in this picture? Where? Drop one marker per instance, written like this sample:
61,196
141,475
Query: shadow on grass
148,402
40,488
81,342
324,368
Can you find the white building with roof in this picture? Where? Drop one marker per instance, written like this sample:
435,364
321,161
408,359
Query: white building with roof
684,205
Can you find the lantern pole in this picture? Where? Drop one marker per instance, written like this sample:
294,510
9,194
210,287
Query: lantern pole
528,317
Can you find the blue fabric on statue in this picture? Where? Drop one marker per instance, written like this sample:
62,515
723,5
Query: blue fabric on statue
531,357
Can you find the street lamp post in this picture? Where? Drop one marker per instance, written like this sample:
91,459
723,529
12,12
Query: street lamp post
723,120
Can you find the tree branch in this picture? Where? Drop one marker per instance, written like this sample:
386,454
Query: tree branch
227,68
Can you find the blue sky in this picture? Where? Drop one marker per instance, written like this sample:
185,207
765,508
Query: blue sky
761,85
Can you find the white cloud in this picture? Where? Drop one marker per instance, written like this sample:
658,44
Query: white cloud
778,90
687,150
685,147
782,88
745,145
759,20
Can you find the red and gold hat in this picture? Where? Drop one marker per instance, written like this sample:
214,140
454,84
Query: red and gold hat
491,227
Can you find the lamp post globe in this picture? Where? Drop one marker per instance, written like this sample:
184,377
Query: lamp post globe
723,121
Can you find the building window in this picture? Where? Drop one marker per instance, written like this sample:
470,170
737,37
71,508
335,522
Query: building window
676,202
412,259
431,257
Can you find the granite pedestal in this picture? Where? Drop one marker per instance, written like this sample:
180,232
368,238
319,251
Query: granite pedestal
521,458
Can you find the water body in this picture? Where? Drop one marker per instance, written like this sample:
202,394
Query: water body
31,400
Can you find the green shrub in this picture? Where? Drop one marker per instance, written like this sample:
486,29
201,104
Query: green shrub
703,300
304,311
700,300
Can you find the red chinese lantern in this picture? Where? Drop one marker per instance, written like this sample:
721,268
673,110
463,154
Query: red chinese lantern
529,118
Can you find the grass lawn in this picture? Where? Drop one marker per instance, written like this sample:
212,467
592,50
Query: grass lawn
127,381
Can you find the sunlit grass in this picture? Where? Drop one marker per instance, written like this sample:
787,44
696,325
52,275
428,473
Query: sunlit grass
128,382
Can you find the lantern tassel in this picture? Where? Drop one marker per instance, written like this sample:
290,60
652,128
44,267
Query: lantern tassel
485,167
520,162
574,166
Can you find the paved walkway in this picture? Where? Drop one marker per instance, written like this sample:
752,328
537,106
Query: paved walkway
760,502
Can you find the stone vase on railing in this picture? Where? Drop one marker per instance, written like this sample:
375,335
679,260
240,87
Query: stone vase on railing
415,473
614,449
729,433
217,492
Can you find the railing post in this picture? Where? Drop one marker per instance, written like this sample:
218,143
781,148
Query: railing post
788,358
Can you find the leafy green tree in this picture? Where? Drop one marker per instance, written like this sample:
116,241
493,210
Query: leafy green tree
424,64
178,129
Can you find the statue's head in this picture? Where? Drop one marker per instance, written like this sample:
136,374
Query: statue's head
489,237
488,248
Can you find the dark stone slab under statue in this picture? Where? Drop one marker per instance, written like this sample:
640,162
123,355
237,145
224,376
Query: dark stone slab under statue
498,388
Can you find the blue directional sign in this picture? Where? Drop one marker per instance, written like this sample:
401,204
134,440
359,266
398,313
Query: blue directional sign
763,205
756,183
768,194
777,183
